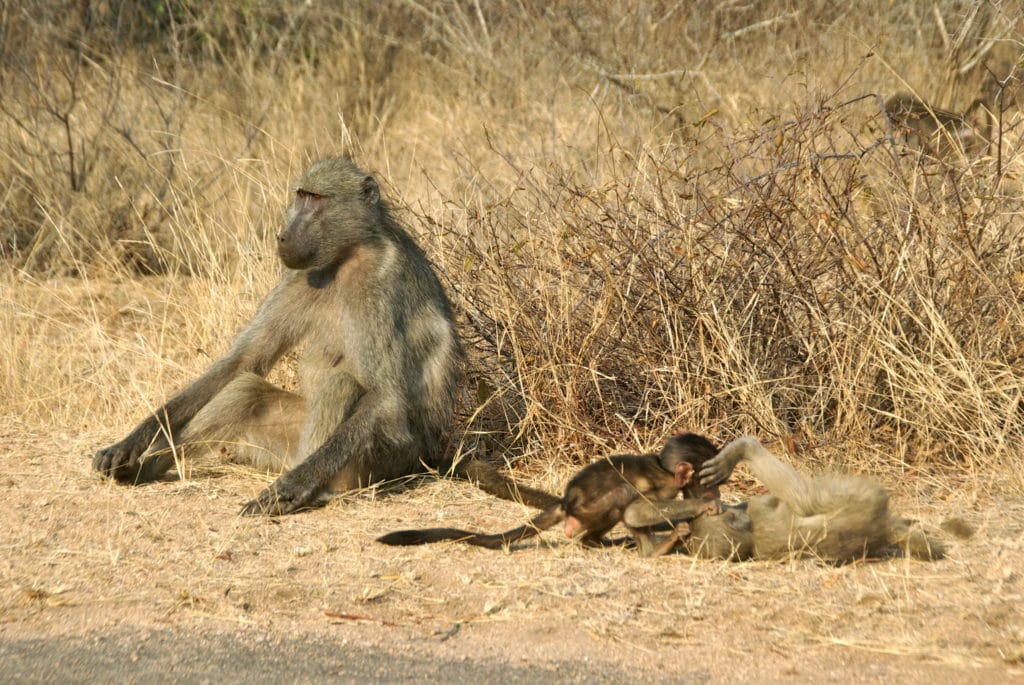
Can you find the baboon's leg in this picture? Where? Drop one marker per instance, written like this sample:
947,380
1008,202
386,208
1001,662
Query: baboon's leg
650,545
646,541
258,422
913,541
808,531
669,542
330,405
375,458
271,332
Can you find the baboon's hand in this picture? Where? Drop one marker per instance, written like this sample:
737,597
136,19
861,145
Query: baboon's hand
284,496
718,469
121,460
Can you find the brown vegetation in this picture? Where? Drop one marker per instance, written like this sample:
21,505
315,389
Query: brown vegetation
650,217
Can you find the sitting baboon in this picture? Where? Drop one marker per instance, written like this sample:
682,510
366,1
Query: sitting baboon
838,518
378,376
938,132
596,497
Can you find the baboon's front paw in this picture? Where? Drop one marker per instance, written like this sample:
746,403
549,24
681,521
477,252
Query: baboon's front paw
279,499
120,462
715,471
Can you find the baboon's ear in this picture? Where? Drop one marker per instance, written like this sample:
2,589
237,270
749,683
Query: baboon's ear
371,193
683,474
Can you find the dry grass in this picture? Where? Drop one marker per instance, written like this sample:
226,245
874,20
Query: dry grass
85,557
649,218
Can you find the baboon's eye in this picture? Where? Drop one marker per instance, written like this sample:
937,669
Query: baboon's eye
306,195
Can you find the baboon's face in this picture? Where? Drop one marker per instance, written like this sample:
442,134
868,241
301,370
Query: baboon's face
335,207
299,243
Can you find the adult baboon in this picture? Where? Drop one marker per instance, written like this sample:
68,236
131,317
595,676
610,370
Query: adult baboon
838,518
596,497
938,132
379,371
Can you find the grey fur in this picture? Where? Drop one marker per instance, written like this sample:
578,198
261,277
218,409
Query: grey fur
379,373
838,518
938,132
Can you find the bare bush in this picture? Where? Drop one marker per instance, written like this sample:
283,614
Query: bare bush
650,217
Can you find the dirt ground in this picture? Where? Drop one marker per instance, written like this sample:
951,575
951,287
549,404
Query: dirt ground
84,558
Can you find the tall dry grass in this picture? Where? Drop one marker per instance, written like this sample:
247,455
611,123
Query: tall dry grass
650,216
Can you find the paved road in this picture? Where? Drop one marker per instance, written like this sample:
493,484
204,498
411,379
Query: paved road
162,656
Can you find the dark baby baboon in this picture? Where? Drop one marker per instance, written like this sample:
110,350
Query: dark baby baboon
838,518
936,131
595,497
378,375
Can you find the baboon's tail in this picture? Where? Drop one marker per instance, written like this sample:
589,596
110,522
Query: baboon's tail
426,536
913,542
492,481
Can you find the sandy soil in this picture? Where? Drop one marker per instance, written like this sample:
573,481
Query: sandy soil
83,557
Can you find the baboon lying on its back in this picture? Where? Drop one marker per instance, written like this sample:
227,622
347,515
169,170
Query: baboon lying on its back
837,517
